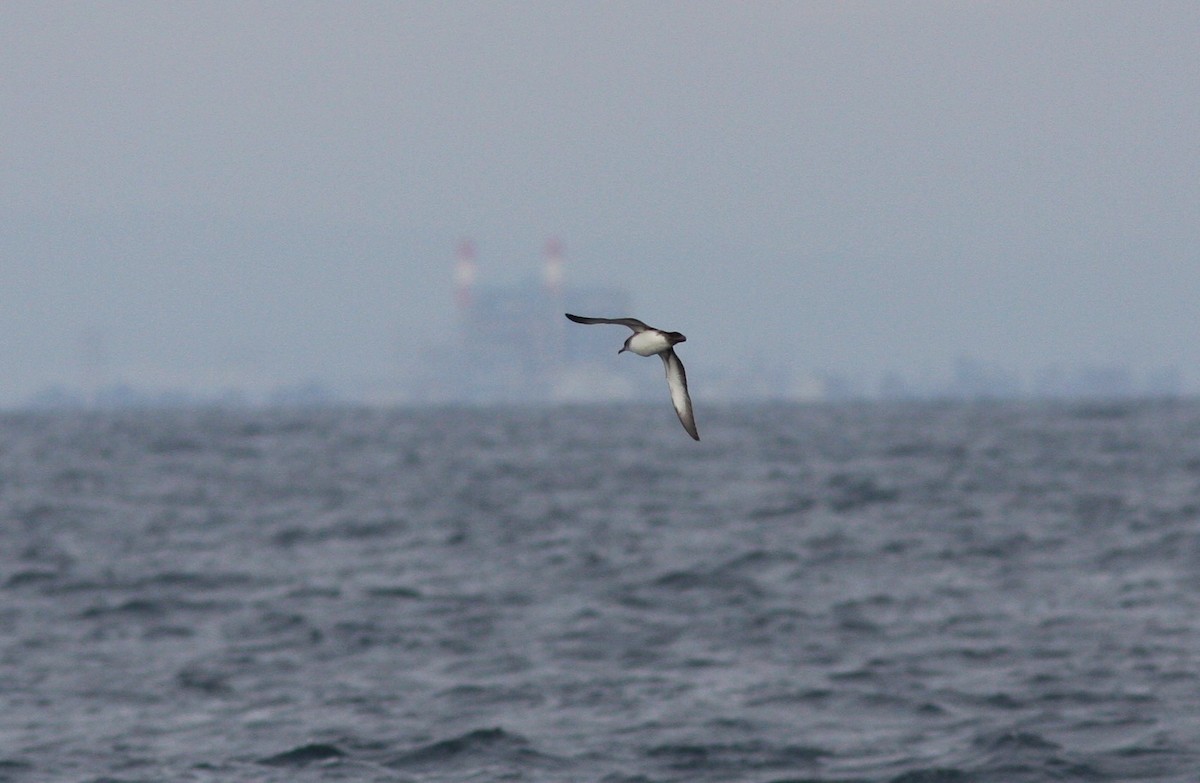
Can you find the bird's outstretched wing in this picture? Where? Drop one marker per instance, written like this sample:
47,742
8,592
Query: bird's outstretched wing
632,323
677,383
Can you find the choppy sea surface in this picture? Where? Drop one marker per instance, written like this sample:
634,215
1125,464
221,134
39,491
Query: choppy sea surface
899,593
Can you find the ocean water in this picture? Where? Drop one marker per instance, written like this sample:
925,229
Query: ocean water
906,593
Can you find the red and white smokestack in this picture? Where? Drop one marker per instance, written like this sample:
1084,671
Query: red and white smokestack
464,274
552,275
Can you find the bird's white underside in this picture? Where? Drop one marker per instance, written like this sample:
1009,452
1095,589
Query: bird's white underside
648,343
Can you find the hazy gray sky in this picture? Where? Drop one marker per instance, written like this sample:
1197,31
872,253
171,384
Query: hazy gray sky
243,188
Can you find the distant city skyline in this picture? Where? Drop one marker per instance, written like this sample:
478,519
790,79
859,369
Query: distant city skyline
1090,383
268,195
510,344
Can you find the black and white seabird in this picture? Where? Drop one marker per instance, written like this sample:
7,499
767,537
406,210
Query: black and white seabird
647,341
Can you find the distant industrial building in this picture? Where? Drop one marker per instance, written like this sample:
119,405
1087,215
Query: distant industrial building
514,345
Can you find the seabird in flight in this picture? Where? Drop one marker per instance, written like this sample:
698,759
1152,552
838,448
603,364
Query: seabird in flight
647,341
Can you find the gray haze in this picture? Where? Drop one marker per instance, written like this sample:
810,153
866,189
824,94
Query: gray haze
258,193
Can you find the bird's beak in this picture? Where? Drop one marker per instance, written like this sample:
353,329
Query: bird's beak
620,352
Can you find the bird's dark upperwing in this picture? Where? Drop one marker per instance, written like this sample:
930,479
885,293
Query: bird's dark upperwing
677,382
632,323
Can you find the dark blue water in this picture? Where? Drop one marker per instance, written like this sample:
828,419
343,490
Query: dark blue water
876,593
